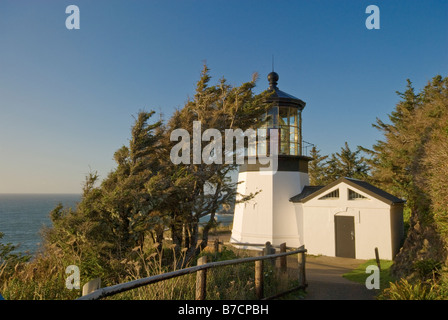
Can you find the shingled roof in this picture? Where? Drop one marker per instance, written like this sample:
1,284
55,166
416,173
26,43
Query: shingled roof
310,192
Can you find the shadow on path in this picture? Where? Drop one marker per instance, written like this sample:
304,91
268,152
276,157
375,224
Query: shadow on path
325,281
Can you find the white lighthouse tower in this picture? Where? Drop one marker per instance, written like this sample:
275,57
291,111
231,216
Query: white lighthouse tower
270,216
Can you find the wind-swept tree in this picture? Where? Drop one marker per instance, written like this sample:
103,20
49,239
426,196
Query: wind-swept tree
113,217
194,190
147,193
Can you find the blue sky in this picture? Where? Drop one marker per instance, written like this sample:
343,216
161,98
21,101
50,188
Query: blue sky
67,97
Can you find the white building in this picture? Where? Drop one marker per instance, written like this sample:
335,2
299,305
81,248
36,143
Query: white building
347,218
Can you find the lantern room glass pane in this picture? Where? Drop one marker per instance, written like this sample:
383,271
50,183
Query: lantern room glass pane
252,149
272,118
283,116
284,140
262,142
293,141
293,112
263,119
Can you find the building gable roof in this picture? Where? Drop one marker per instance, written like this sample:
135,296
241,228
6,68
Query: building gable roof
310,192
307,191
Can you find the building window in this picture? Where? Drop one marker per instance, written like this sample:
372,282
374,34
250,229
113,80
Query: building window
331,196
352,195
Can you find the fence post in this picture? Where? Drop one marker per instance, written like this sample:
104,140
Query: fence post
283,259
301,260
259,290
377,257
269,249
201,280
216,246
91,286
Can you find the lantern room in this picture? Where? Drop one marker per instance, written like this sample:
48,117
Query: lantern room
285,115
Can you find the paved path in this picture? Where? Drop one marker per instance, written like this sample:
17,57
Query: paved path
325,281
324,277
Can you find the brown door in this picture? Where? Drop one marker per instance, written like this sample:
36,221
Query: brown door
345,236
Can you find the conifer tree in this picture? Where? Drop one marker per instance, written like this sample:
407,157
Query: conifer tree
350,163
346,163
113,217
410,162
316,168
392,159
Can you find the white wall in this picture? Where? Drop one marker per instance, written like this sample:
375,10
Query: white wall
285,221
270,216
252,222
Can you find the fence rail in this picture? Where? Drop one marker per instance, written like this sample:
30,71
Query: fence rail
201,270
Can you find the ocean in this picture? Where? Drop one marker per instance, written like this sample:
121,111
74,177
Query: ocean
22,217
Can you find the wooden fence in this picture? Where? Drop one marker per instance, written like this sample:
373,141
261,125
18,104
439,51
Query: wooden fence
201,274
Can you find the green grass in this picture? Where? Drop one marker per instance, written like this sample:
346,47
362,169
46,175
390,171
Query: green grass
359,274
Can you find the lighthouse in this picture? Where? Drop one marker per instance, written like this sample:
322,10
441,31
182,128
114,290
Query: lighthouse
270,216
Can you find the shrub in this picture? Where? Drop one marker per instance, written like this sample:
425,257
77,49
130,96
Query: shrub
427,268
403,290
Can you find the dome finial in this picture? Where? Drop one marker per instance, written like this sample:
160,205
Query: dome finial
273,78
